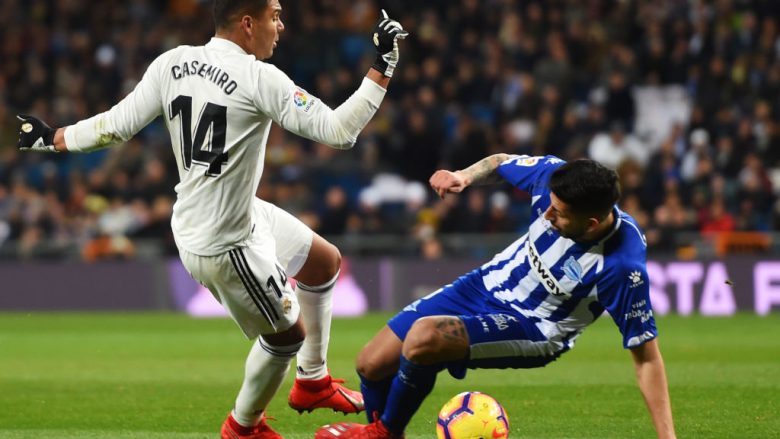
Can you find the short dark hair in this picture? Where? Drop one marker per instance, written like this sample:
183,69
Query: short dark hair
225,10
586,186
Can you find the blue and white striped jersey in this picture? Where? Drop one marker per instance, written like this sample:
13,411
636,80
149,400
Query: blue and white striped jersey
568,284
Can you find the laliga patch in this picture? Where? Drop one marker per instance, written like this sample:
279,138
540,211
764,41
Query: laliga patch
526,161
302,100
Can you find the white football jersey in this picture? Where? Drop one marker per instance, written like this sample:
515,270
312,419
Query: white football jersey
218,103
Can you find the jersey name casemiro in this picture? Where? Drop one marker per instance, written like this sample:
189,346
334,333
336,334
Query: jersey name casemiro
212,73
567,284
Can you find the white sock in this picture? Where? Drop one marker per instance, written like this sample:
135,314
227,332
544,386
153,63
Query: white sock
317,309
266,367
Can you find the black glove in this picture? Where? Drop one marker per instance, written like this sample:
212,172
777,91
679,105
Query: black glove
386,36
35,135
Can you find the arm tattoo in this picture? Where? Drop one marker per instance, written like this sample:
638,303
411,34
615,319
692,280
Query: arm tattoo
484,171
452,329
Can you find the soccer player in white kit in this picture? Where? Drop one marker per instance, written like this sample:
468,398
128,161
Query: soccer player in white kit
218,102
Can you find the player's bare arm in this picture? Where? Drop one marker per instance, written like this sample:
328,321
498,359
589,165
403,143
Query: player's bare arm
651,375
481,172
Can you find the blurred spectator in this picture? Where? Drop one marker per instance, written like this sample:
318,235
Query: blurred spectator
716,219
698,155
334,213
611,149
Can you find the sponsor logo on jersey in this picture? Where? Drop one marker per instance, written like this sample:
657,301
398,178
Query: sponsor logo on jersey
502,321
302,100
639,310
635,278
546,277
572,269
553,161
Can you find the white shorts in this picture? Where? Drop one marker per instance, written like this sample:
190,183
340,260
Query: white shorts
250,281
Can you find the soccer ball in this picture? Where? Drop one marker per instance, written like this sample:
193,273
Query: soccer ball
472,415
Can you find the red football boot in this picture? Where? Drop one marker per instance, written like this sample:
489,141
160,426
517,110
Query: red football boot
307,395
233,430
348,430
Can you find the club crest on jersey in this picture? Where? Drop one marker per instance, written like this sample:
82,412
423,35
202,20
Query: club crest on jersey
572,269
302,100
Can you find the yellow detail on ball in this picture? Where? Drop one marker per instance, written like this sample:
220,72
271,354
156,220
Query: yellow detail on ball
472,415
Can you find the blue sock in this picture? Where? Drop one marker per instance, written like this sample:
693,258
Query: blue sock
411,385
375,395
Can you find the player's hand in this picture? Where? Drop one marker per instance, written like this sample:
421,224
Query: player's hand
35,135
447,181
386,35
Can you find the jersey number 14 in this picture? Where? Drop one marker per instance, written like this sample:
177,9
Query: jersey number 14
213,122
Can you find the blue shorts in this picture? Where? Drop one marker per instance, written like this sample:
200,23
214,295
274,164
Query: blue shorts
499,337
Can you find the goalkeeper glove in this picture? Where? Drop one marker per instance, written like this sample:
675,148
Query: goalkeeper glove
386,36
35,135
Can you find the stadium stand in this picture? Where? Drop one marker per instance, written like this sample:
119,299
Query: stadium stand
682,97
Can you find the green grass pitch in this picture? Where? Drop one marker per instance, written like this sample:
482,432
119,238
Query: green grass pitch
169,376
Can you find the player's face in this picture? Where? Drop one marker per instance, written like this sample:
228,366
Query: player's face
266,34
564,221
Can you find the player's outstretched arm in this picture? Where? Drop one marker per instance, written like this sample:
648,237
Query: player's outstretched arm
481,172
116,125
385,38
306,116
651,375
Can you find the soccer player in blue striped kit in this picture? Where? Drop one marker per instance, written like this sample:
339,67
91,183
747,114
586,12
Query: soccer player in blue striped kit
524,308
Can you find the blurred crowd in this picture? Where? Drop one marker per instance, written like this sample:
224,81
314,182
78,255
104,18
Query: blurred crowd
680,96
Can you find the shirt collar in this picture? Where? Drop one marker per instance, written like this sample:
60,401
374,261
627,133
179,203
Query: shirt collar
226,45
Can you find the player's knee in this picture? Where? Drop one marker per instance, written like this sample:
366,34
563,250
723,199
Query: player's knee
335,261
295,334
376,363
369,366
323,264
